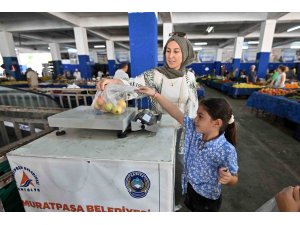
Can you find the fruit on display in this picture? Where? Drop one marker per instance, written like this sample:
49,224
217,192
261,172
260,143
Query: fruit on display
275,91
292,85
245,85
294,96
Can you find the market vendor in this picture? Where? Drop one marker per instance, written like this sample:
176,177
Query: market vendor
252,77
172,80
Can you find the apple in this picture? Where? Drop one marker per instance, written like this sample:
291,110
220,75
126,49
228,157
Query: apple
100,100
122,103
96,105
117,110
102,108
108,106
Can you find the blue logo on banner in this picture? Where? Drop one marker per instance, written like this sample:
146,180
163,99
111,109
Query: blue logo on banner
137,184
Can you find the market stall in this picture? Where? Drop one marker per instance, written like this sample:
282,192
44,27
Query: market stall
284,107
277,105
93,170
242,89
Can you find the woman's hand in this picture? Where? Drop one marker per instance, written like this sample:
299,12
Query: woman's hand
224,175
288,200
147,91
104,81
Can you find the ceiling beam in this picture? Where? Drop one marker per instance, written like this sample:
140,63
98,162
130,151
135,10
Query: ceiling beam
248,29
123,45
36,25
275,15
276,44
66,17
166,17
219,17
224,44
290,17
103,22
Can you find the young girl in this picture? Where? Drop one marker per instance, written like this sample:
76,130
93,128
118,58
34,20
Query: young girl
210,158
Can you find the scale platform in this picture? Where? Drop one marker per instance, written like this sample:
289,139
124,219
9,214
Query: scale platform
84,117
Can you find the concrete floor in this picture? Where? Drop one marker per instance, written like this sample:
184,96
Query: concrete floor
268,158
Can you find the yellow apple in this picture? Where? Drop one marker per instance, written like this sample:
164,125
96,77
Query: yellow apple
122,103
117,110
108,106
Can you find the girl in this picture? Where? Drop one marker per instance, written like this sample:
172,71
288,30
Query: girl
210,158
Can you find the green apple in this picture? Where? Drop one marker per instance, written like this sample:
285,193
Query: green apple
108,106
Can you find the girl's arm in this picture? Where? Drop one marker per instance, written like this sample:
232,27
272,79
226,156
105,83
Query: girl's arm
167,105
225,177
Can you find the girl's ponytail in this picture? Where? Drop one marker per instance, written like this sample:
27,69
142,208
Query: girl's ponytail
230,133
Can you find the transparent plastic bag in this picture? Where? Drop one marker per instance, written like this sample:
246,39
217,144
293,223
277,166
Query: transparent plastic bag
113,99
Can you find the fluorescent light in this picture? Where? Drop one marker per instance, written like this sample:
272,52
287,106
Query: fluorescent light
293,28
253,42
295,47
245,47
209,29
197,48
200,43
49,48
72,50
99,46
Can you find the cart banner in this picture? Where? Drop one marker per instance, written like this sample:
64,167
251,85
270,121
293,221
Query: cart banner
83,185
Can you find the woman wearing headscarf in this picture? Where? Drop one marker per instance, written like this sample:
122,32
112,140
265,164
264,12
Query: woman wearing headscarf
171,80
174,82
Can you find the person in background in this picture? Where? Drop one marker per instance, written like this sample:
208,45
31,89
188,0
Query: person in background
242,77
291,74
279,82
233,75
4,71
122,72
287,200
99,75
252,77
68,75
210,158
77,74
223,71
32,78
272,78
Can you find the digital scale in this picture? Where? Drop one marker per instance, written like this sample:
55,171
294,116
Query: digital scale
84,117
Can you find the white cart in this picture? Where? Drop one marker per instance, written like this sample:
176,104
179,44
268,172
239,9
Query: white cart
93,170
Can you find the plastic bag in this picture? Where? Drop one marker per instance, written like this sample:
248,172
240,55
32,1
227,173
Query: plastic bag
113,99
